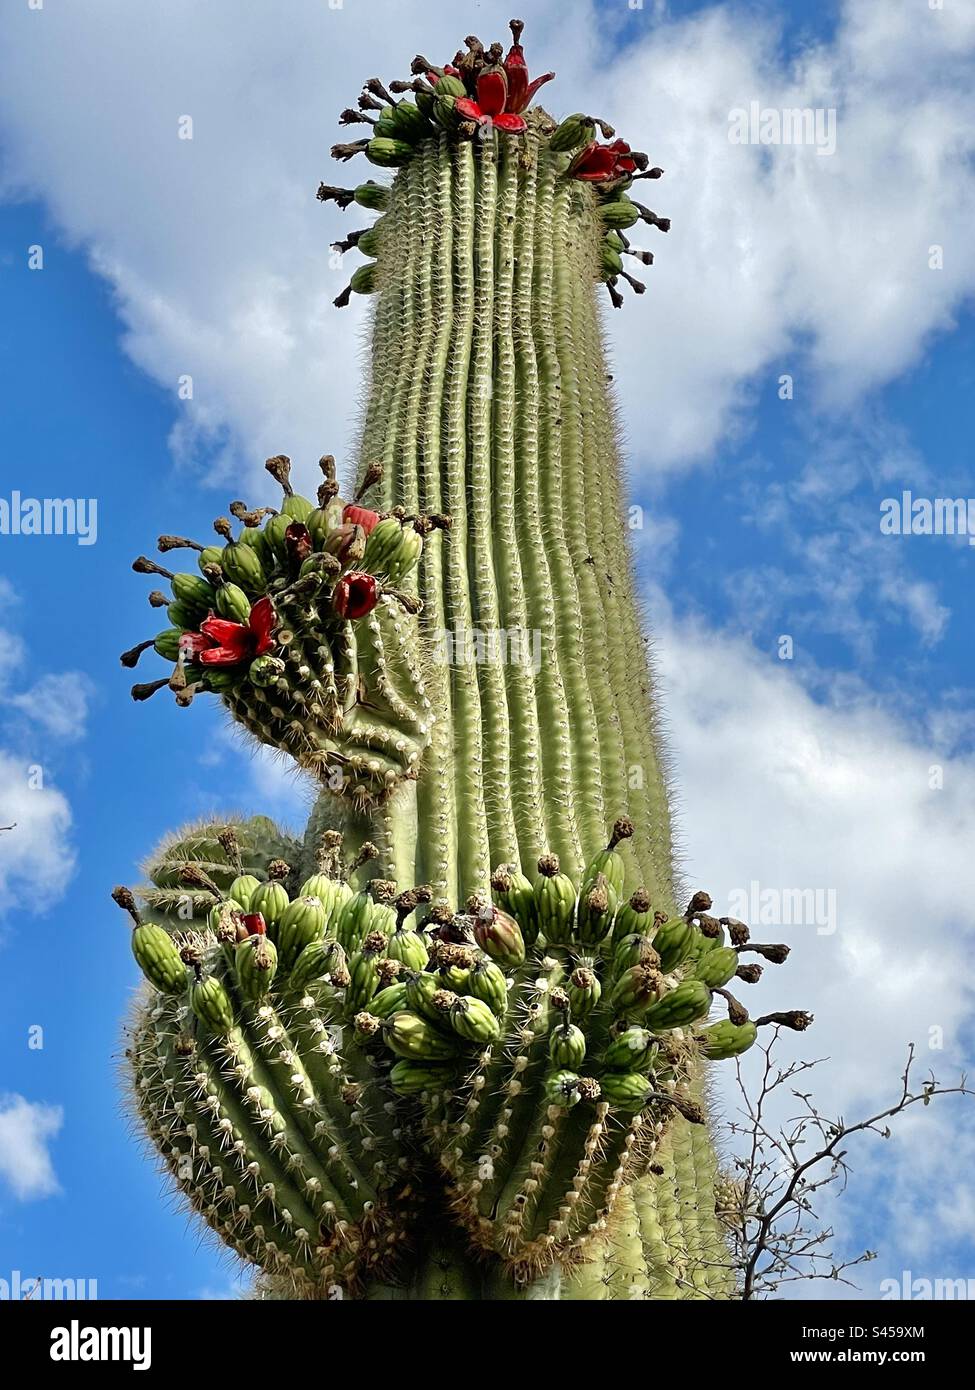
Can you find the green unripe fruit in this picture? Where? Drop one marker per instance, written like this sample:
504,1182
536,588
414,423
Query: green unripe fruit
374,196
416,1039
562,1088
359,916
597,904
489,983
420,989
571,133
609,861
389,154
614,240
621,214
370,244
703,944
365,279
332,893
408,121
632,1050
233,603
211,1004
364,975
271,901
256,539
513,892
158,958
633,950
584,991
716,967
388,1001
184,617
673,943
194,593
727,1039
634,917
265,671
274,533
473,1020
636,989
611,261
555,901
625,1090
219,680
241,565
302,922
167,643
409,947
257,962
319,958
297,508
450,86
242,890
392,549
690,1001
210,555
410,1078
567,1046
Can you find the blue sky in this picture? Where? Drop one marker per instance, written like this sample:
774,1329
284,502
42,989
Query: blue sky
762,520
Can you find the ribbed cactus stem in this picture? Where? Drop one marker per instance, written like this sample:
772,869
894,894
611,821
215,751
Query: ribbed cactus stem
491,402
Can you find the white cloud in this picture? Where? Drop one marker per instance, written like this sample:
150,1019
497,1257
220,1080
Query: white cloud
780,259
36,857
26,1131
58,703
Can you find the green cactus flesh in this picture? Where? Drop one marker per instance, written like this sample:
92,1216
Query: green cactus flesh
490,1085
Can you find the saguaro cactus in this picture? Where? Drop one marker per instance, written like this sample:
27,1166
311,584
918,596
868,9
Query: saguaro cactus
479,1073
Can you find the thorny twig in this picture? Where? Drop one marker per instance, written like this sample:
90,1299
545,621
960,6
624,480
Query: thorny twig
771,1238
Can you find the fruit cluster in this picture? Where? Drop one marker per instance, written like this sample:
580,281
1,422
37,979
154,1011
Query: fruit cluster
300,623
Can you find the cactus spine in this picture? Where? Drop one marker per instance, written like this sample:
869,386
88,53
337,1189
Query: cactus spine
488,1085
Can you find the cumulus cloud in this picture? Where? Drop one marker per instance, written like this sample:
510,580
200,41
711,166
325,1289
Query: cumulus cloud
36,857
781,259
27,1129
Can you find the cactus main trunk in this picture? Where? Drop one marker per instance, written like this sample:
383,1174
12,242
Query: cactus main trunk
491,402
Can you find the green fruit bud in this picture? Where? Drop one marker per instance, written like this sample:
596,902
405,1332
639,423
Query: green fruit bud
609,861
274,533
184,617
374,196
567,1046
727,1039
684,1005
158,958
194,593
634,950
636,989
555,901
212,1006
621,214
319,958
370,243
625,1090
410,1078
513,892
716,967
450,86
632,1050
241,565
167,643
416,1039
388,1001
473,1020
597,904
210,555
489,983
389,154
257,962
297,508
233,603
584,991
365,280
302,922
562,1088
265,671
634,917
673,942
242,890
420,989
572,132
409,947
271,901
409,122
